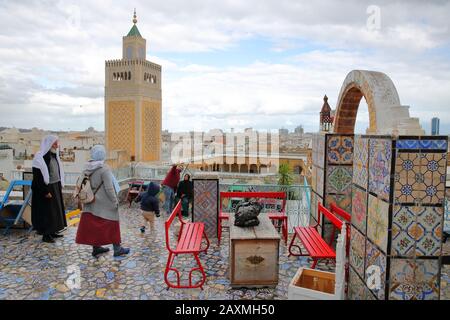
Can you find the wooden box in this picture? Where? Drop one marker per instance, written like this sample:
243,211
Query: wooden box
254,254
310,284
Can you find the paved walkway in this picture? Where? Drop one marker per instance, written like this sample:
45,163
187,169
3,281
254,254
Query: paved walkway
30,269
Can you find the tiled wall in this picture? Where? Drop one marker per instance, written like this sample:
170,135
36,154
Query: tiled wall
332,172
397,217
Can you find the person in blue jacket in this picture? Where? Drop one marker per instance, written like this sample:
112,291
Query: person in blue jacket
149,205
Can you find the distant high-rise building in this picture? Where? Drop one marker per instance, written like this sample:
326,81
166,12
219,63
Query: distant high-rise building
299,130
283,132
133,101
435,126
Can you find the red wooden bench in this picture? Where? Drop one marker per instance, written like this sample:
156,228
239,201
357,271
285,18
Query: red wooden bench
312,241
279,216
189,241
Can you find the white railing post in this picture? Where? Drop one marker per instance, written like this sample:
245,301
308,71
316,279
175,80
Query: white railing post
339,289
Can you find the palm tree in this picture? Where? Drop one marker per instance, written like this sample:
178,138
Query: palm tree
284,175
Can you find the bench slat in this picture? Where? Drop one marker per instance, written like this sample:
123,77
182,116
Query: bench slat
314,243
191,238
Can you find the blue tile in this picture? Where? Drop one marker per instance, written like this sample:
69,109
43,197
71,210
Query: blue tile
408,144
433,144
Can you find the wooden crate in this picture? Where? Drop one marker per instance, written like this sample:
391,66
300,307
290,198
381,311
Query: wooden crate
254,254
310,284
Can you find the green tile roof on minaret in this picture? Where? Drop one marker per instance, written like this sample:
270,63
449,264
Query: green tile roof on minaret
134,32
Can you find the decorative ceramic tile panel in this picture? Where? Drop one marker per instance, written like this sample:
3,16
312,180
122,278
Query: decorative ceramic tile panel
356,287
378,222
427,144
429,222
375,274
360,161
339,179
340,149
359,209
416,231
380,155
408,185
433,173
343,201
413,279
205,204
403,231
357,251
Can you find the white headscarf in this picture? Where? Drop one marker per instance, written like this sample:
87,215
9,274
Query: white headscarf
39,162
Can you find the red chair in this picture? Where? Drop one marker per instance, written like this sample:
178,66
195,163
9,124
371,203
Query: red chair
135,187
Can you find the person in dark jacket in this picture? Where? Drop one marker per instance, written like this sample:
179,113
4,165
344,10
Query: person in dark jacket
185,192
149,204
47,206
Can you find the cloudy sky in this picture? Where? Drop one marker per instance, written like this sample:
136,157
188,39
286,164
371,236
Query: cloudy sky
229,63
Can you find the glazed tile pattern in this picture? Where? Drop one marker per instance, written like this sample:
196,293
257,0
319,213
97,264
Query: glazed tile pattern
357,289
360,161
340,149
359,209
32,270
342,201
427,144
413,279
420,178
339,179
416,231
408,186
357,251
433,174
206,195
378,222
375,262
380,155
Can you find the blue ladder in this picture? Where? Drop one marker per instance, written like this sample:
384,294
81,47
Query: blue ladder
9,222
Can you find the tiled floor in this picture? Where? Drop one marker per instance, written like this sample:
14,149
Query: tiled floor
30,269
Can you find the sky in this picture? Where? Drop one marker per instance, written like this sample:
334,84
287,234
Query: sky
226,64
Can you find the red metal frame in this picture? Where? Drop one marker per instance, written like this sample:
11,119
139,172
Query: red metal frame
276,216
188,242
316,246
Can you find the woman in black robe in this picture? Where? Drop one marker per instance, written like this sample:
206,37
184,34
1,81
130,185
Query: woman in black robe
185,192
47,206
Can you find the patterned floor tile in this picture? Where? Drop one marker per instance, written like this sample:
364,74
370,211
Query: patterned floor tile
357,251
413,279
380,155
339,179
359,209
378,222
375,274
340,149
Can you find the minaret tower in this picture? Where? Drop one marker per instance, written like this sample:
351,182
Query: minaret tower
133,101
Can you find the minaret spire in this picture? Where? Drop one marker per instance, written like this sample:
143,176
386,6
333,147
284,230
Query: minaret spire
134,16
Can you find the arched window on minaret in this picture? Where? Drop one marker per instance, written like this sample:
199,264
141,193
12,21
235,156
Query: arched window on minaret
129,75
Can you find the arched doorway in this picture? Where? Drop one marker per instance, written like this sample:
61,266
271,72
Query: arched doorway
386,114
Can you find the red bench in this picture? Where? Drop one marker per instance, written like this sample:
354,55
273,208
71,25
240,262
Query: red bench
190,238
274,216
312,241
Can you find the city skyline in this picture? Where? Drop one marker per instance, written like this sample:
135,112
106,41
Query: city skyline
222,64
